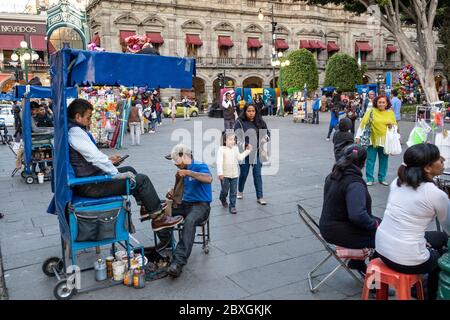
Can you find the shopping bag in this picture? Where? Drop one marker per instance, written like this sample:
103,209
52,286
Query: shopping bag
367,132
392,144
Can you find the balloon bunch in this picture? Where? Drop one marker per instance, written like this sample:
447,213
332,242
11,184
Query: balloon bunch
408,79
136,43
93,47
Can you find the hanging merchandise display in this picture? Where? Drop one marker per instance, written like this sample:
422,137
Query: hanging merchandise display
104,116
408,79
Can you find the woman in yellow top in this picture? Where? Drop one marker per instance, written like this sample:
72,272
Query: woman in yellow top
383,117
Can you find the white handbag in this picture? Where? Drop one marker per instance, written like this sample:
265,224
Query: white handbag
392,145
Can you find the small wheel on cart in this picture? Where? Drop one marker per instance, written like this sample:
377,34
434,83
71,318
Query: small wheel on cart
50,264
63,291
29,180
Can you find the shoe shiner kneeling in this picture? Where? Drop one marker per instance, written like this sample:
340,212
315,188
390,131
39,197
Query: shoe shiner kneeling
195,204
87,160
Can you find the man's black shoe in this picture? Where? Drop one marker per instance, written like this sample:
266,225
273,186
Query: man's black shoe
175,270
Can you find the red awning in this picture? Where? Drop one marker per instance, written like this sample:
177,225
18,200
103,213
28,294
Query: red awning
391,48
304,44
253,43
281,44
332,47
155,37
321,45
225,41
10,42
313,44
38,43
96,40
194,39
126,34
363,46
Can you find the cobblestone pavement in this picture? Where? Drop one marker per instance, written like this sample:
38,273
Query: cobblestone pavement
263,252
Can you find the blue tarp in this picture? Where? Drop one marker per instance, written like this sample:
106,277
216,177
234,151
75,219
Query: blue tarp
8,97
70,67
328,89
365,88
109,68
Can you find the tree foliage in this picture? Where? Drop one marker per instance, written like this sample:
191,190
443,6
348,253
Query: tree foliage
302,69
444,37
342,71
422,15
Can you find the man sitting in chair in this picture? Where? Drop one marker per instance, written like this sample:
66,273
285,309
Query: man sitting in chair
87,161
195,204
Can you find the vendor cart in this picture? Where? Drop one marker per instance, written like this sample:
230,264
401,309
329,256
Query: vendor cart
72,68
38,146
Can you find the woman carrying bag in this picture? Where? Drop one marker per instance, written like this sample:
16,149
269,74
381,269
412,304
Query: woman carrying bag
376,121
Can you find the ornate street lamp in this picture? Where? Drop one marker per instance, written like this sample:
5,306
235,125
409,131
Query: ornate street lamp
280,62
274,25
24,54
380,80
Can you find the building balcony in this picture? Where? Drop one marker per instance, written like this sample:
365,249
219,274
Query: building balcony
32,67
232,62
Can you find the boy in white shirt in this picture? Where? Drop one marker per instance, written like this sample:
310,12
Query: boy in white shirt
228,158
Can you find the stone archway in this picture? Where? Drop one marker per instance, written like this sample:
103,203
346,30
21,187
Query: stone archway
366,79
229,83
198,85
253,82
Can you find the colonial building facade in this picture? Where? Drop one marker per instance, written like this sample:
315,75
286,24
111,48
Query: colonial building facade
227,36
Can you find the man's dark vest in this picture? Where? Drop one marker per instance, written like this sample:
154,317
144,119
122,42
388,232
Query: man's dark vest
81,167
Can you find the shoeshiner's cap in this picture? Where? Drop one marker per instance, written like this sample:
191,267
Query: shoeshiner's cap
178,151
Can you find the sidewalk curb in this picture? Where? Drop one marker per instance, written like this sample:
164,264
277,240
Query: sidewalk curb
3,290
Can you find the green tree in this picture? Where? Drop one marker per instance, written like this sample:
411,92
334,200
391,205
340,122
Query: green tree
444,36
342,71
423,15
302,69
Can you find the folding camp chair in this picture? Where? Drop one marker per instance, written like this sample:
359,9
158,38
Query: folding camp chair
342,255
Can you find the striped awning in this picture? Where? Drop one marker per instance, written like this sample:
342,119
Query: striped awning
390,48
332,46
225,41
304,44
155,37
363,46
253,43
194,39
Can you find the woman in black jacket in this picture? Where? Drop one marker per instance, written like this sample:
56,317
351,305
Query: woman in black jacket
250,128
347,219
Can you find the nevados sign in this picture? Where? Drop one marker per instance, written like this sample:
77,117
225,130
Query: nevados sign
18,29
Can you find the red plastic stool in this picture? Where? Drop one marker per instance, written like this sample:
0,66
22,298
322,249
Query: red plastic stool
378,272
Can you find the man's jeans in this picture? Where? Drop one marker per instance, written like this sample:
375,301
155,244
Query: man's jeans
383,161
144,192
194,214
315,119
229,184
229,124
257,178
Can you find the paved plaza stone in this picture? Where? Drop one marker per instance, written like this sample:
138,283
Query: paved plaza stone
263,252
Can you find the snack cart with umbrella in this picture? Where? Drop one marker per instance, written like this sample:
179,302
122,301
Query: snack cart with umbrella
72,68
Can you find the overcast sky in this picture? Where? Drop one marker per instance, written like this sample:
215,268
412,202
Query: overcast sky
12,5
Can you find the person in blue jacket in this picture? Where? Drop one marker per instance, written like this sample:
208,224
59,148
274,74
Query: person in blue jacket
316,108
334,119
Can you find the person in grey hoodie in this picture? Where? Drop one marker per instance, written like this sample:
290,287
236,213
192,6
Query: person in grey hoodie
343,137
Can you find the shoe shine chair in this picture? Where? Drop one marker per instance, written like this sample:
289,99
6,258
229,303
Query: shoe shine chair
105,221
342,255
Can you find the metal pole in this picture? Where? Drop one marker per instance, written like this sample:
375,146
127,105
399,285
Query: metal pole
26,71
273,47
281,114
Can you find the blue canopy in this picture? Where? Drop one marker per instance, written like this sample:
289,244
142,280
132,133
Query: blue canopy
110,68
70,67
328,89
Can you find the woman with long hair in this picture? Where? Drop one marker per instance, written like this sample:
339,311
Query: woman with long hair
347,219
251,129
382,118
414,202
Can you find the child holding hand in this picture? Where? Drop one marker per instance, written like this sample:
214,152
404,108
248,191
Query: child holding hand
228,157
